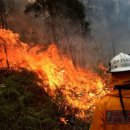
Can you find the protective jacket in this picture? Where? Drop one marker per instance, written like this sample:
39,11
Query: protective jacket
113,111
109,115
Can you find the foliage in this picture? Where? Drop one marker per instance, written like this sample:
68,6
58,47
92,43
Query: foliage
25,106
72,9
54,7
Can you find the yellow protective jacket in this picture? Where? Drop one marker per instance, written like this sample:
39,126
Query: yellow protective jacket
108,114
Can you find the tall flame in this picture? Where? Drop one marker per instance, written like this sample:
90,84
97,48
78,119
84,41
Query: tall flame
79,88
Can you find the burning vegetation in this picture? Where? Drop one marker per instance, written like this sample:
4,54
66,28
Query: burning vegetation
73,89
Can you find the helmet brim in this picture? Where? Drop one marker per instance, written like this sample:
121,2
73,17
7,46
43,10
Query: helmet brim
122,69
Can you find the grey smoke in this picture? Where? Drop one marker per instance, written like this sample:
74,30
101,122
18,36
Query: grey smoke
36,30
110,28
110,24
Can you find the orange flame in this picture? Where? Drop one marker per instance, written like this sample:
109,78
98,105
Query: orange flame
79,88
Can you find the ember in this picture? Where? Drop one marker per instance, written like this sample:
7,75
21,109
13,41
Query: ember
77,88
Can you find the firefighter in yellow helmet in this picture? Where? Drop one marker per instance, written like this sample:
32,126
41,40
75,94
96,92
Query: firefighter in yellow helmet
113,111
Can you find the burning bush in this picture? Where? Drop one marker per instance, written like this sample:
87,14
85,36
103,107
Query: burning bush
74,90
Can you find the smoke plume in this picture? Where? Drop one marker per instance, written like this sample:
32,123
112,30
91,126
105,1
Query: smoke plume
110,25
38,29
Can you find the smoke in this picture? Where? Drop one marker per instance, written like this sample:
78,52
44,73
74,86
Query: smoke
31,29
110,30
110,24
68,35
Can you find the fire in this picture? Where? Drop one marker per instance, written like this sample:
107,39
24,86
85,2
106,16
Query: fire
75,88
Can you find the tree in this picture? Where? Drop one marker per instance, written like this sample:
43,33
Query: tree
2,14
73,9
65,18
5,9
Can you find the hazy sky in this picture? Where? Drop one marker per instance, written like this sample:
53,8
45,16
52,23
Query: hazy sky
111,23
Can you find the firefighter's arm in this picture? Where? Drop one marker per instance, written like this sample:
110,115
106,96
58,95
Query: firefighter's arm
98,118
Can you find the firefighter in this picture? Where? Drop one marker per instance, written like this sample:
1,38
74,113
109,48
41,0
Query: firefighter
113,111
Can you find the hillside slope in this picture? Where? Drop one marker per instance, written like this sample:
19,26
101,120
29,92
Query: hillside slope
24,105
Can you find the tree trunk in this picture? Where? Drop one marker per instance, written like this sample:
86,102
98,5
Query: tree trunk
68,42
7,62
